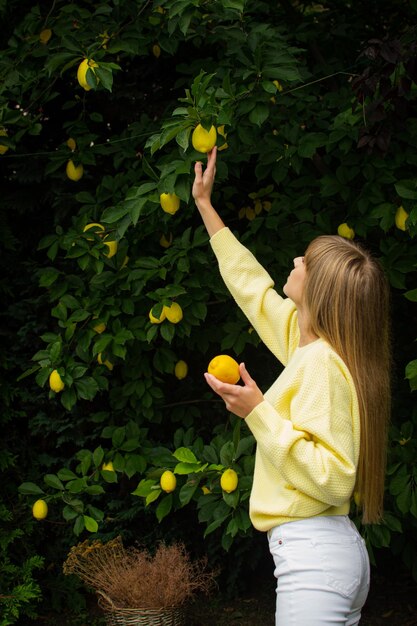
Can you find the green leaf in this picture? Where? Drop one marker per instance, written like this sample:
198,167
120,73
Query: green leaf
98,456
79,525
66,474
187,491
185,455
53,481
164,507
29,489
90,524
144,488
406,189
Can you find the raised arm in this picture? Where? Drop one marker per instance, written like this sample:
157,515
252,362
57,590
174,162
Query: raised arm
202,188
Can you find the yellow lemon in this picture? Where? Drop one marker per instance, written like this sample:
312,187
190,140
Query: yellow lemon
173,313
108,466
156,51
74,172
277,85
55,381
40,509
401,216
99,328
45,35
344,230
107,363
205,490
357,498
165,242
95,228
83,68
181,370
168,481
71,143
3,148
157,320
112,248
229,480
203,140
224,368
170,202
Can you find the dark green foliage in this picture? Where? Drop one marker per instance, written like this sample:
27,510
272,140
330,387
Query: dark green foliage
319,108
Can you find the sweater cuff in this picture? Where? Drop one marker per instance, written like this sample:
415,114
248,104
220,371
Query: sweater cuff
222,241
257,419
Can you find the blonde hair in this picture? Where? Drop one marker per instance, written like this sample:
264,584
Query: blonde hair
347,297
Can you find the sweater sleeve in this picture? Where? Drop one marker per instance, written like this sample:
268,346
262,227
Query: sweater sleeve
314,452
274,318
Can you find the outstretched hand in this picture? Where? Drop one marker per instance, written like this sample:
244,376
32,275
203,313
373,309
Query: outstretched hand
240,400
203,182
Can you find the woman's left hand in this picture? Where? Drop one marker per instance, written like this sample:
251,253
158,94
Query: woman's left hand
240,400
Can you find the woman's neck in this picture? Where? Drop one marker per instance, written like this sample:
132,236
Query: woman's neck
306,334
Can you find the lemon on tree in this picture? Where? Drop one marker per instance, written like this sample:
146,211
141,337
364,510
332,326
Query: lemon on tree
229,480
168,481
74,172
99,328
181,370
112,248
224,368
45,35
83,68
3,148
108,467
344,230
40,509
154,318
55,381
72,144
170,202
94,227
164,241
401,216
203,140
174,313
106,362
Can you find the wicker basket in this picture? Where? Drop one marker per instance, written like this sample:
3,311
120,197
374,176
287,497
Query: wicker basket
139,617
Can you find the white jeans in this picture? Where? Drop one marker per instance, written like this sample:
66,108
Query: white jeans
322,568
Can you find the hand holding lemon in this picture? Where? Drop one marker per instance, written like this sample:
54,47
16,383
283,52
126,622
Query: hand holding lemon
239,399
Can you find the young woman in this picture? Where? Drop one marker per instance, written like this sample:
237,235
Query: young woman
321,428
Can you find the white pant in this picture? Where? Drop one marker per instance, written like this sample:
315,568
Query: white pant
322,568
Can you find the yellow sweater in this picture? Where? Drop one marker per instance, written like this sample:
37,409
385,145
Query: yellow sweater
307,427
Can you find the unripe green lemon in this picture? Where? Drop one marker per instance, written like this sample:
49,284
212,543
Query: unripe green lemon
168,481
181,370
401,216
40,509
173,313
204,140
55,381
74,172
229,480
72,144
170,202
224,368
344,230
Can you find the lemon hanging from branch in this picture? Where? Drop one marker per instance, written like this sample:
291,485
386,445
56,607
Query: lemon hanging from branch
84,66
204,140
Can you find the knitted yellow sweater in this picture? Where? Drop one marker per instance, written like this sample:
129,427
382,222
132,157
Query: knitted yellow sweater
307,427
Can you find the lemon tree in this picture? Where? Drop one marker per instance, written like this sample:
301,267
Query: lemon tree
106,287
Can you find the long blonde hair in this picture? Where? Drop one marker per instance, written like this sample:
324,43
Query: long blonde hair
347,296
